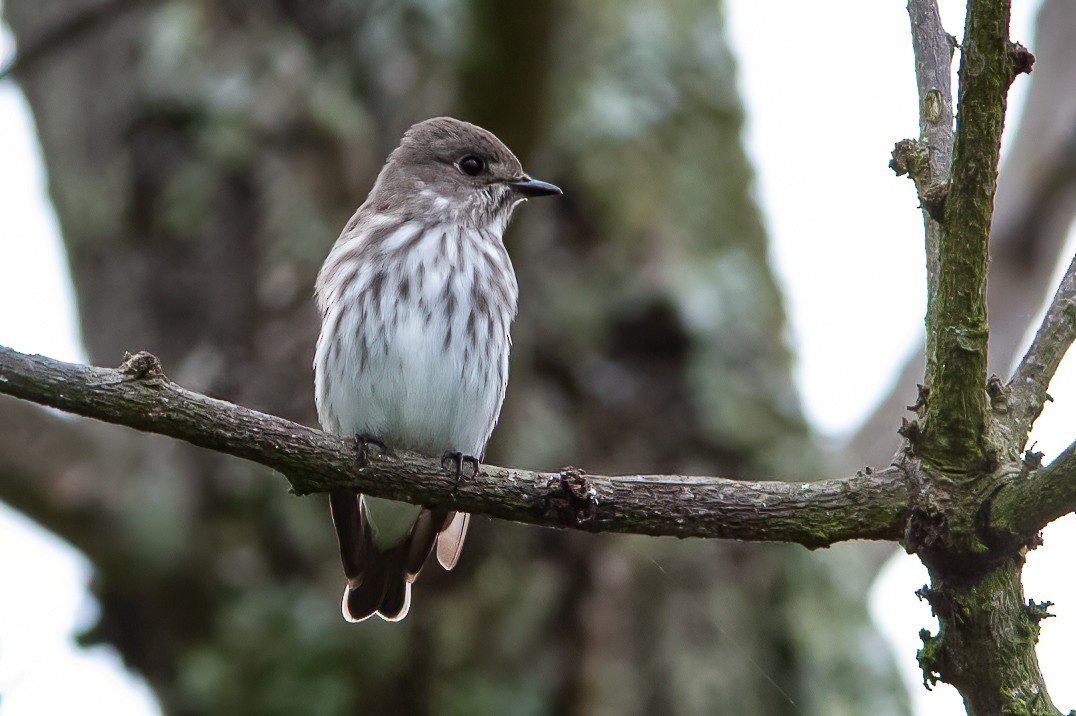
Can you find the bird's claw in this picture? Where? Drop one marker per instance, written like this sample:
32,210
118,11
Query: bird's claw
362,448
454,462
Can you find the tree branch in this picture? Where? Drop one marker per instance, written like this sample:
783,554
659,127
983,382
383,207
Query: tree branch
986,643
1037,498
956,414
138,395
1032,212
933,50
1031,379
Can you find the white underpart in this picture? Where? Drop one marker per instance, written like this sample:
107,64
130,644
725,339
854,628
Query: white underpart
410,387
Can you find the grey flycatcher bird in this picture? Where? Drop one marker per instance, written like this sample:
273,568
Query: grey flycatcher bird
417,297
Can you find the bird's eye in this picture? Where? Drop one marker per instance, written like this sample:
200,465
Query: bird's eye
471,165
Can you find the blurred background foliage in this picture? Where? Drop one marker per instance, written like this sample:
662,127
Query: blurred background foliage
203,156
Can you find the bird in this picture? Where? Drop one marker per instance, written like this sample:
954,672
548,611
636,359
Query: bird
417,297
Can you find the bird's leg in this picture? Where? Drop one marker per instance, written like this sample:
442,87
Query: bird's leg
453,462
362,448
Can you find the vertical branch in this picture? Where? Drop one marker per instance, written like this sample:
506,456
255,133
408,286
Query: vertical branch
956,415
986,643
1004,677
933,48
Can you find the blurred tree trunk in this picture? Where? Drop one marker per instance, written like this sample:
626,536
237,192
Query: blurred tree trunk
202,157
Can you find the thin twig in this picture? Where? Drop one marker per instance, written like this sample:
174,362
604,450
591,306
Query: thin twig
138,395
1031,379
933,50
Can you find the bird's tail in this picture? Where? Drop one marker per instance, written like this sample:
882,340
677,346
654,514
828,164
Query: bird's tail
379,579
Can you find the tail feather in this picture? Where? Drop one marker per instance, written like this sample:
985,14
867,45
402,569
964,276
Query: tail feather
397,598
363,597
364,567
450,539
345,506
381,588
379,581
421,540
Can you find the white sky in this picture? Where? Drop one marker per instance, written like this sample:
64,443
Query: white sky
847,243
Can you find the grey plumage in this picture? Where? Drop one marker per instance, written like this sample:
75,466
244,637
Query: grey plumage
417,297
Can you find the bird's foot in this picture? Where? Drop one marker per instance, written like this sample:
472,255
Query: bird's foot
363,443
455,462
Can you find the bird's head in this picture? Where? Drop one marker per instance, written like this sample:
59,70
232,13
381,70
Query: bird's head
448,167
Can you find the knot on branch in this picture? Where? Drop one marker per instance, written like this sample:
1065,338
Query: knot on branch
921,398
940,604
571,497
1038,611
1021,58
932,106
998,393
1033,458
912,157
909,157
910,431
925,531
141,366
929,657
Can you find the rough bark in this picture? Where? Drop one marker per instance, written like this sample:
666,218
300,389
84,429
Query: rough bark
138,395
1034,206
930,162
1032,376
954,422
987,609
970,481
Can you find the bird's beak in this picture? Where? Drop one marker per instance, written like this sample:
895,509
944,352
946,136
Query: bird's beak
532,187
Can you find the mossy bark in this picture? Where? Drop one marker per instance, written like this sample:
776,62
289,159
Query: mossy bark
986,644
966,453
955,424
